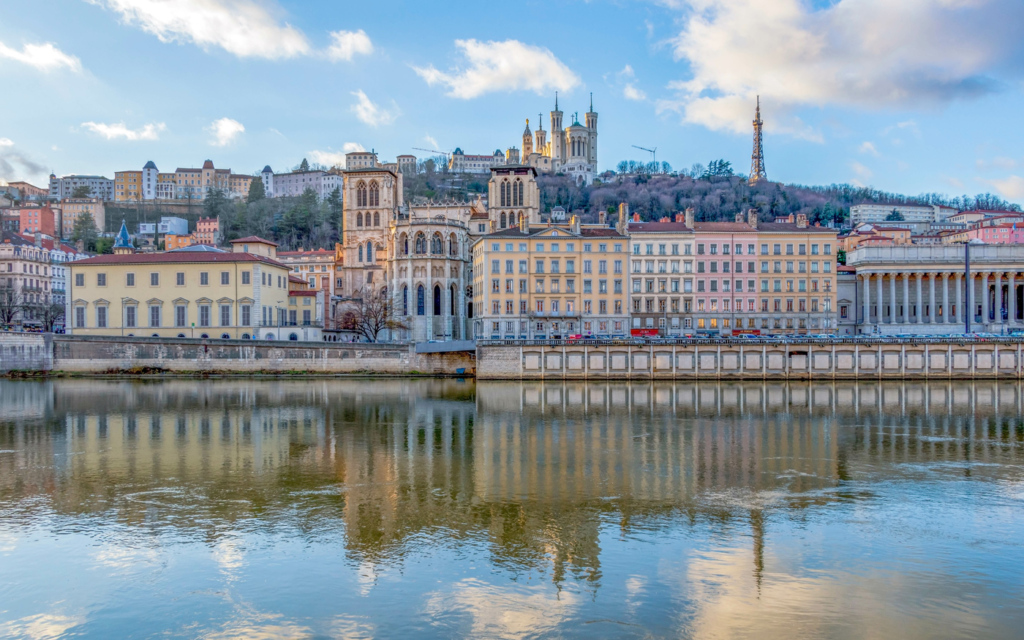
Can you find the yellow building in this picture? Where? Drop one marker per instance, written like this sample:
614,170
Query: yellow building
191,293
72,208
127,186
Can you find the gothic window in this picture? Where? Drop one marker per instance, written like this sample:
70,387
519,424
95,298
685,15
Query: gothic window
436,245
452,292
361,195
421,243
504,193
360,253
420,301
520,194
437,299
369,251
376,218
452,246
405,300
503,220
404,244
374,195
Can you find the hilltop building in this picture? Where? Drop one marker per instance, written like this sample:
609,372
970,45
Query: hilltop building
571,150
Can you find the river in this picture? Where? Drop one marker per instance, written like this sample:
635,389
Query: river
391,508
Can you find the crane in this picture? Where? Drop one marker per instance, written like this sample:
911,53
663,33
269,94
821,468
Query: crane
440,153
653,152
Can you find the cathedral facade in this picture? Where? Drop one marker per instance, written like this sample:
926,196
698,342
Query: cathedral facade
571,150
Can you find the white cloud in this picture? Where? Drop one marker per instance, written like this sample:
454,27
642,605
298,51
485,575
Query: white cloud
863,173
44,57
1011,187
629,89
629,92
865,54
245,28
119,130
431,141
225,131
346,45
6,142
501,66
370,113
1001,162
868,147
328,158
956,183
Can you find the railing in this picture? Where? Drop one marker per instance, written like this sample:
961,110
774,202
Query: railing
752,340
935,254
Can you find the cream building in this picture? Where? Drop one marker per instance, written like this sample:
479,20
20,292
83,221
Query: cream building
204,293
512,195
72,208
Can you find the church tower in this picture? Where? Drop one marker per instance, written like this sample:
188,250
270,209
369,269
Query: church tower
557,137
527,141
591,122
542,143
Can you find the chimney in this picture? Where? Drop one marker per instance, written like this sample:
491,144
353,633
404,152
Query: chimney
524,224
602,218
752,217
636,216
689,217
801,220
679,217
663,219
623,218
739,218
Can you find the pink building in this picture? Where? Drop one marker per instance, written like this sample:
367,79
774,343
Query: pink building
998,234
725,278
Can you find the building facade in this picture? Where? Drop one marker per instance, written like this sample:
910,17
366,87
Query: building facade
512,195
360,160
862,213
372,198
44,219
460,162
99,187
295,183
74,208
571,150
661,286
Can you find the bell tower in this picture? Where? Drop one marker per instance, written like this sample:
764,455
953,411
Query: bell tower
591,121
527,141
557,137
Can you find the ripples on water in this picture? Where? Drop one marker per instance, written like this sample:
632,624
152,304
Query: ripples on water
380,509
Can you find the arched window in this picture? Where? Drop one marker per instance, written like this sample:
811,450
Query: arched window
419,301
359,219
405,300
403,243
452,293
437,299
504,193
436,245
520,194
515,193
369,251
360,253
452,246
421,243
374,195
376,218
503,220
360,195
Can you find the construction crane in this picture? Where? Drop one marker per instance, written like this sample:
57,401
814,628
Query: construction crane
440,153
653,152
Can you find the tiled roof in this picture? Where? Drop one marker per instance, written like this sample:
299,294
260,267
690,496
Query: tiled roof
655,227
724,227
254,240
174,257
791,227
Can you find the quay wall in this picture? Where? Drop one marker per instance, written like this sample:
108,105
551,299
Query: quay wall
112,355
931,359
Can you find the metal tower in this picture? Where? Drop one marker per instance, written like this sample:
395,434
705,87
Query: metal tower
757,172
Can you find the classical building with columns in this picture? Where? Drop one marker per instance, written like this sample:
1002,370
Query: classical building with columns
921,290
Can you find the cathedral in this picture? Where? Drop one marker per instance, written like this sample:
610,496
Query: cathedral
571,150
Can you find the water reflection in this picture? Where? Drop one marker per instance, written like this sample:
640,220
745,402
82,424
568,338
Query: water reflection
508,510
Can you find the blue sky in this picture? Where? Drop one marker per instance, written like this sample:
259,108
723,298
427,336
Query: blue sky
911,96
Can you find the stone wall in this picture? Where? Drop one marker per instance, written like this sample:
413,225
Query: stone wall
25,352
931,360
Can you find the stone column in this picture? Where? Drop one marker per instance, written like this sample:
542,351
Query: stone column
881,299
959,298
946,317
931,298
867,298
892,298
906,299
984,298
1012,320
918,317
997,302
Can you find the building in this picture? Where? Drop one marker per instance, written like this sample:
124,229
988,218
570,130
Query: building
512,195
127,186
460,162
32,279
205,293
315,267
797,277
28,191
166,186
725,280
167,225
921,289
372,199
661,287
207,232
73,208
928,213
571,150
173,241
305,312
100,188
1005,233
360,160
39,218
876,234
295,183
195,184
407,163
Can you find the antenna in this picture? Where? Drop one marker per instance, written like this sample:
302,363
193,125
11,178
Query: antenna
757,172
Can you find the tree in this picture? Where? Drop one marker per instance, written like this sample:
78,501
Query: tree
894,216
370,315
81,191
841,256
12,303
304,165
256,191
49,314
85,232
334,210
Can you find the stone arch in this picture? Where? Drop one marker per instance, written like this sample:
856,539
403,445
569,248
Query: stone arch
436,244
421,243
359,219
437,299
361,194
374,194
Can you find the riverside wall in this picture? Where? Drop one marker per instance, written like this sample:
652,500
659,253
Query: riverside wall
113,355
931,359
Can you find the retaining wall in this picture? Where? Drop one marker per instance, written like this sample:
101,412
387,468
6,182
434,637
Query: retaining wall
931,360
25,352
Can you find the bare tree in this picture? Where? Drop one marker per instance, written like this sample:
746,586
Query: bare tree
370,315
12,303
49,314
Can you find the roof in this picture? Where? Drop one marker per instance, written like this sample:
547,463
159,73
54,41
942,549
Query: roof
655,227
178,257
725,227
150,165
791,227
122,240
310,252
296,279
208,164
308,294
513,167
267,169
48,243
198,248
254,240
515,232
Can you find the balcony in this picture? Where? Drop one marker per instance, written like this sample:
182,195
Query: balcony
934,255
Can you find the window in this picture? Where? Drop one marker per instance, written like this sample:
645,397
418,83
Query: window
245,278
204,278
180,319
420,300
154,315
129,317
101,279
204,315
80,316
101,317
130,280
79,280
225,315
180,279
225,277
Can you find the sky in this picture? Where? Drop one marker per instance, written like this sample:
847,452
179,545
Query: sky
908,96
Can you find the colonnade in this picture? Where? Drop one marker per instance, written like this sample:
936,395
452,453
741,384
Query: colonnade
938,298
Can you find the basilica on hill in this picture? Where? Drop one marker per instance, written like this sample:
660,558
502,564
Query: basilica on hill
571,150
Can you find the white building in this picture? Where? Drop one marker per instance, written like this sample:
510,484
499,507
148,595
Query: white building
99,187
463,163
926,214
360,160
149,181
294,183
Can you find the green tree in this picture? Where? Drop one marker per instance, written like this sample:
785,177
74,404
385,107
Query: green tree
334,210
85,232
81,191
256,191
894,216
104,245
304,165
841,256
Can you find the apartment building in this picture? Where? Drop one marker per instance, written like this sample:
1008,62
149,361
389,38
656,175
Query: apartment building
100,187
127,186
661,286
73,208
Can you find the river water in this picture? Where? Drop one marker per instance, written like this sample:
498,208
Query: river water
447,509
